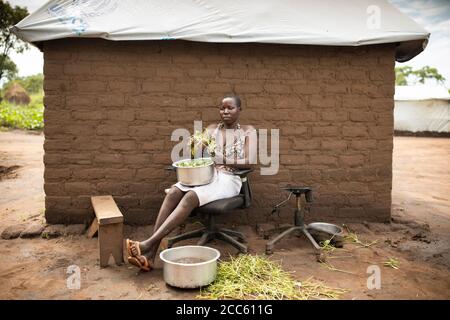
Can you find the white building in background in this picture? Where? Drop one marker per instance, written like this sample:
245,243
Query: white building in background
422,109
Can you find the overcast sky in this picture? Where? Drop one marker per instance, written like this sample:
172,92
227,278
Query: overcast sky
433,15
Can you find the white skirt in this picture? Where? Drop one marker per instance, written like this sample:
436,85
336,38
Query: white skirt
224,185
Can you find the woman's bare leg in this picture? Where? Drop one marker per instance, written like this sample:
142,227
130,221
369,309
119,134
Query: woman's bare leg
188,203
171,201
169,204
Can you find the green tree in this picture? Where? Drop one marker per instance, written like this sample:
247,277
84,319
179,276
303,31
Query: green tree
407,76
9,68
9,16
428,73
402,74
33,84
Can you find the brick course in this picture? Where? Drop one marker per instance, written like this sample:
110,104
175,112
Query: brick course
111,106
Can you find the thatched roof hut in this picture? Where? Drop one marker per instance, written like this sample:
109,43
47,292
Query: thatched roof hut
17,94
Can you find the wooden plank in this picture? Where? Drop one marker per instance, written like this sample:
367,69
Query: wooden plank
93,228
106,210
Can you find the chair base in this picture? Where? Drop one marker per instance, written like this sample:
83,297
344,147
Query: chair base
207,235
301,230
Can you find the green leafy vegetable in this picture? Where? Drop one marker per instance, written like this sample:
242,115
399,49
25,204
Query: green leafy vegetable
195,163
202,140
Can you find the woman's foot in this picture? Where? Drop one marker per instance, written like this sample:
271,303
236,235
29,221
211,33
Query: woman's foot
136,248
133,248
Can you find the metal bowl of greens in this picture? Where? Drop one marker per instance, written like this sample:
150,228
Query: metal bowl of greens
194,172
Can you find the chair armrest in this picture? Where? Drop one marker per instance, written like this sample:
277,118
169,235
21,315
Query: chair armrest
170,168
242,172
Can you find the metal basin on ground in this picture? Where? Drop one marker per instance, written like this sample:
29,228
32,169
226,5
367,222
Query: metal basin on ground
190,266
322,231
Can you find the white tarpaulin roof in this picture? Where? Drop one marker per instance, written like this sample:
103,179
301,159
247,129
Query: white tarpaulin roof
324,22
421,92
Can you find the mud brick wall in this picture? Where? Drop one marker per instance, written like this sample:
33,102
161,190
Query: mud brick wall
110,108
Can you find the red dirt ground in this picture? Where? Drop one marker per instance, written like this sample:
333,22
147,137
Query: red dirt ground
419,237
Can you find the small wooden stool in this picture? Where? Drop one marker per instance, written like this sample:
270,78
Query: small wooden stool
109,225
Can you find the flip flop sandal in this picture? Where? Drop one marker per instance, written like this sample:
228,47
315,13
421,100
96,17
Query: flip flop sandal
130,244
146,266
134,261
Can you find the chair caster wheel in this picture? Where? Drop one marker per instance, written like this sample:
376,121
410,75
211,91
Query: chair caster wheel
321,257
339,244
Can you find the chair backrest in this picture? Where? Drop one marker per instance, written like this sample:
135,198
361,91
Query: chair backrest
246,190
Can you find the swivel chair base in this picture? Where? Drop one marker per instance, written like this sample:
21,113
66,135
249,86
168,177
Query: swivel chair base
212,232
299,226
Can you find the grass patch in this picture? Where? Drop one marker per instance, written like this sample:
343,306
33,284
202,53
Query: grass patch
352,237
23,117
392,263
330,267
327,246
257,278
